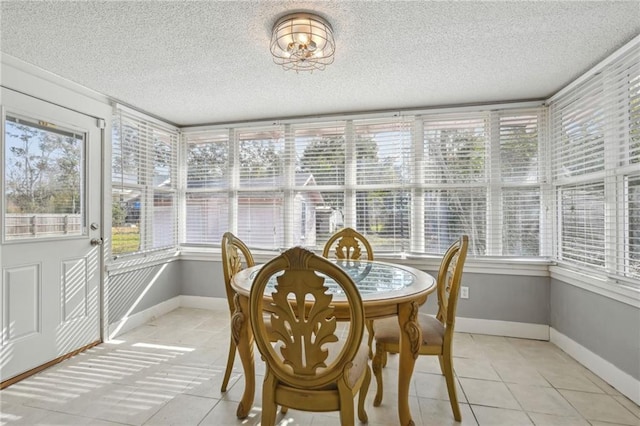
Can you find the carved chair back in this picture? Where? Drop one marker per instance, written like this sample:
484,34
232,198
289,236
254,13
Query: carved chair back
348,244
235,257
449,278
302,320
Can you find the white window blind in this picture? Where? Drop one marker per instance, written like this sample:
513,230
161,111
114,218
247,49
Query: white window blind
521,221
631,259
595,139
582,224
453,212
144,170
520,145
207,187
634,115
319,169
578,131
455,180
381,155
260,167
455,149
320,150
623,145
631,263
352,174
409,184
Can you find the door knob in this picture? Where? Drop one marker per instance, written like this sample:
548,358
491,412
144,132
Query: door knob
96,241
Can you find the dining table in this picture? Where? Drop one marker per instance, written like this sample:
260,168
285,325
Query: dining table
387,289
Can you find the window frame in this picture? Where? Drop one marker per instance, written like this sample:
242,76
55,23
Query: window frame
608,95
144,163
490,179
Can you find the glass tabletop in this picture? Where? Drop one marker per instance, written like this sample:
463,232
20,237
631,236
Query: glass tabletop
374,279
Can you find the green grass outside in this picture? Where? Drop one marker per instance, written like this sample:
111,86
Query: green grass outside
125,240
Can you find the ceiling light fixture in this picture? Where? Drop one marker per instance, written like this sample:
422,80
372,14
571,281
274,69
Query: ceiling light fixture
302,42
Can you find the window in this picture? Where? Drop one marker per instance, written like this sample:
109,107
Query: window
409,184
522,195
455,181
521,221
595,134
382,158
582,224
144,202
631,259
208,182
260,187
318,171
43,180
481,177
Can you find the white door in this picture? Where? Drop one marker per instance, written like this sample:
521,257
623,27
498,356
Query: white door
51,232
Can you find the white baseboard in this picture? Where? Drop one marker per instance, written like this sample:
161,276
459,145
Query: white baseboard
623,382
140,318
502,328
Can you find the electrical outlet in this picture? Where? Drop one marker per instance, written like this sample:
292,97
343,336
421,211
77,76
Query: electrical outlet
464,292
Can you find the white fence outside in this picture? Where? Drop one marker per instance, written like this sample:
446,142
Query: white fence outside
24,225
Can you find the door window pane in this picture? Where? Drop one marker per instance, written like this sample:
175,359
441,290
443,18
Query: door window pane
44,181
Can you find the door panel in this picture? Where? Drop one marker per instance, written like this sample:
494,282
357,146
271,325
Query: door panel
21,302
51,184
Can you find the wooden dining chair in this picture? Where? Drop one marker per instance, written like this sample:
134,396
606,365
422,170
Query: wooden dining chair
310,367
235,257
348,244
437,333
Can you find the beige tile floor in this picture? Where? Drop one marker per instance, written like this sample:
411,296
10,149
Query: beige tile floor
169,372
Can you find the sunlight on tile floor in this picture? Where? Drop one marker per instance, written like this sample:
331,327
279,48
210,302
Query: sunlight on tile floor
169,370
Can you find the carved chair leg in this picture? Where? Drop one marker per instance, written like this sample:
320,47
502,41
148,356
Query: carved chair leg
269,406
369,324
377,371
230,359
347,416
362,395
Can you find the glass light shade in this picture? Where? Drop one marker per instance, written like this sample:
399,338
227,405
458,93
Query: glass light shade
302,42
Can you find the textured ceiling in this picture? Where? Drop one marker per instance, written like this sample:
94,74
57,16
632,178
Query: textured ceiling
196,62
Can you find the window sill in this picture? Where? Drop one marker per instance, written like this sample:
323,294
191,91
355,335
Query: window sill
481,265
599,284
140,261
